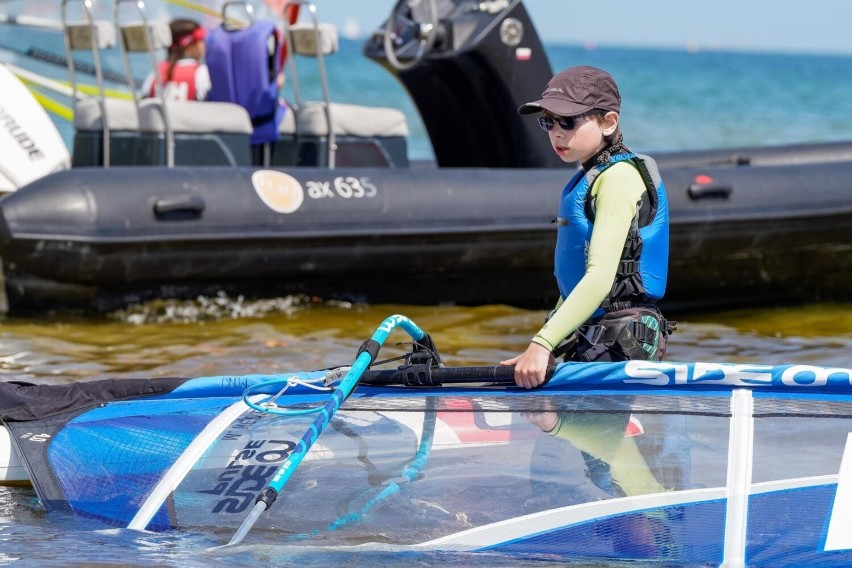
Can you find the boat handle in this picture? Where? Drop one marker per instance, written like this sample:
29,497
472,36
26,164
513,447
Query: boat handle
709,190
164,206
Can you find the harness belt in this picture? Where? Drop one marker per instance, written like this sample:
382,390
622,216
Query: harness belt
619,305
602,333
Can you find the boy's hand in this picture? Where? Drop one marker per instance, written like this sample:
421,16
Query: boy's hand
531,366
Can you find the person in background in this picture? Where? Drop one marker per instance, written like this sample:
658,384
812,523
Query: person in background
183,74
245,64
612,248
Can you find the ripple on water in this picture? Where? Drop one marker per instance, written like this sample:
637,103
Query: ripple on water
222,335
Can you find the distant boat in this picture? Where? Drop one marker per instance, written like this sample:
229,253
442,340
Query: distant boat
335,208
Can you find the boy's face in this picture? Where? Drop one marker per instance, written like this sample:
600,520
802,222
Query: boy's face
584,140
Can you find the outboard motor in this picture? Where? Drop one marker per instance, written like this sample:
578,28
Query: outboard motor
244,63
468,66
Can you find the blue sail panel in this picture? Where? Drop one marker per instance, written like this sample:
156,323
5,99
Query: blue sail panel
106,460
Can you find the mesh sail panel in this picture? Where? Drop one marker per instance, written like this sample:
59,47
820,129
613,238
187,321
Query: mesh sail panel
107,460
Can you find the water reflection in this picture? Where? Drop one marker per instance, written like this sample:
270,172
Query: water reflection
223,335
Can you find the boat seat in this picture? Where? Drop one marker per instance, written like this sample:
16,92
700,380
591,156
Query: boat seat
123,124
365,136
205,133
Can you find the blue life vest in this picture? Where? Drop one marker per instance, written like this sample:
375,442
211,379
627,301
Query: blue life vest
244,66
642,272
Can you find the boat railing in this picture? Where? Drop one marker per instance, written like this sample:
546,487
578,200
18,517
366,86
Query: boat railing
167,130
93,36
316,40
332,134
143,36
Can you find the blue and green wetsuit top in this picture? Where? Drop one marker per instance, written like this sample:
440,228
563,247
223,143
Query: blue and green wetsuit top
612,243
643,268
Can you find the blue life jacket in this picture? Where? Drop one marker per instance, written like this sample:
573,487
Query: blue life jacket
244,66
642,272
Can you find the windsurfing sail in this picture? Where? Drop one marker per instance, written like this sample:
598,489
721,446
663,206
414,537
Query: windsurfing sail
30,145
687,463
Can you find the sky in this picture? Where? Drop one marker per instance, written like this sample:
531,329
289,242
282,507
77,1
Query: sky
814,26
817,26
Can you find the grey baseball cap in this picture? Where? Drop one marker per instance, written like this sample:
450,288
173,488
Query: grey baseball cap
577,90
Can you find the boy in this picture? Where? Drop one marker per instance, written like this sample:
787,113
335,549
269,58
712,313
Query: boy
611,259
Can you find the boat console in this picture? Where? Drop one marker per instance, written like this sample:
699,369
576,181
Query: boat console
468,66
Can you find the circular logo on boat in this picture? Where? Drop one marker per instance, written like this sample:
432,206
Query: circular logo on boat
281,192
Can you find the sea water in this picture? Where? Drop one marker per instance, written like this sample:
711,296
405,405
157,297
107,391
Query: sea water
673,99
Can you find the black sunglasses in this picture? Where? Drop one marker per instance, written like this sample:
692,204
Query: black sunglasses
565,122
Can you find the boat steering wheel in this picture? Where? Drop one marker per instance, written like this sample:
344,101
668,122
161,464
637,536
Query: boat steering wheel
411,23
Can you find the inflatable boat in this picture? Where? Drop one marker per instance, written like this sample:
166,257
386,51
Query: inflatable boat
675,463
173,200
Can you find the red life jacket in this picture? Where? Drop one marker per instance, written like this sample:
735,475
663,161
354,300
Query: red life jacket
181,87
